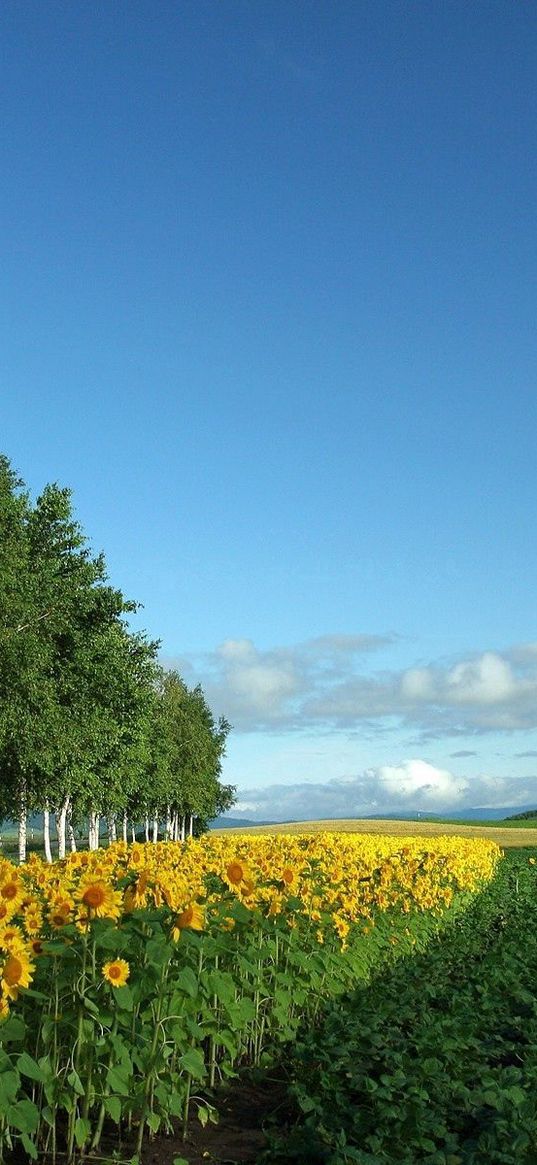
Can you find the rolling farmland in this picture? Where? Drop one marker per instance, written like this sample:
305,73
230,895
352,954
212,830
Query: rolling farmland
506,836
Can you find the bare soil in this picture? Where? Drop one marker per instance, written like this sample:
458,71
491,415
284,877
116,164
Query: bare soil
245,1108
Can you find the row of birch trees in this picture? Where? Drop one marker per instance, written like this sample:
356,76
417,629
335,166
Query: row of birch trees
94,734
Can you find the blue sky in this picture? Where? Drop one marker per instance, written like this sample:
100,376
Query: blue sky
268,308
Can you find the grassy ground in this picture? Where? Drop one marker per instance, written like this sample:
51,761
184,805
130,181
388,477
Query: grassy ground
505,835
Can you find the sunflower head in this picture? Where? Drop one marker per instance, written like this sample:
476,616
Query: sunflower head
11,891
6,912
17,972
192,917
98,899
116,972
236,872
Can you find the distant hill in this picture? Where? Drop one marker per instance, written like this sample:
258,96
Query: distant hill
236,823
504,813
471,814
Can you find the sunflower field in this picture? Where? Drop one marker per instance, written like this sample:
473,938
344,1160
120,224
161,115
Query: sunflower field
134,980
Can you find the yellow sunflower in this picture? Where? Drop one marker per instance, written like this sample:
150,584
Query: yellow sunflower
11,936
12,892
290,877
192,918
33,920
98,898
236,872
116,972
17,972
7,911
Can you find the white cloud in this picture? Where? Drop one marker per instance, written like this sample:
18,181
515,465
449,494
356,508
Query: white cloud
418,781
412,786
485,680
237,650
329,683
417,684
263,687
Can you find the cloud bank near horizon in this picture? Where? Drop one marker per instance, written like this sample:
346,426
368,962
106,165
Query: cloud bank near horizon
328,682
413,785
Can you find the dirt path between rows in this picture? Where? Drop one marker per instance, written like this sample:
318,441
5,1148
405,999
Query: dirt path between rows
237,1139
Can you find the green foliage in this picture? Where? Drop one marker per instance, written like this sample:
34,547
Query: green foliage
79,1052
185,753
88,723
436,1062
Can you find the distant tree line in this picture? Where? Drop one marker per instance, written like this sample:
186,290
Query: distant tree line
522,816
91,726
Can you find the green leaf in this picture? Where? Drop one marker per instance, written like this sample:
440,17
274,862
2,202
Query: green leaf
118,1080
193,1063
9,1087
153,1120
28,1067
112,1106
13,1031
187,981
29,1146
222,985
76,1084
177,1104
240,912
124,997
113,940
91,1007
24,1116
157,951
516,1094
82,1131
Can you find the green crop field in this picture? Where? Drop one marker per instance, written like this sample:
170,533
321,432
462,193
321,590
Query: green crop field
434,1063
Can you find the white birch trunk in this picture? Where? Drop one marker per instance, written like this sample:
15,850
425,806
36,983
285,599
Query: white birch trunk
146,828
70,829
93,831
125,823
46,833
168,823
61,821
155,829
133,833
175,827
183,826
112,833
23,824
191,826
